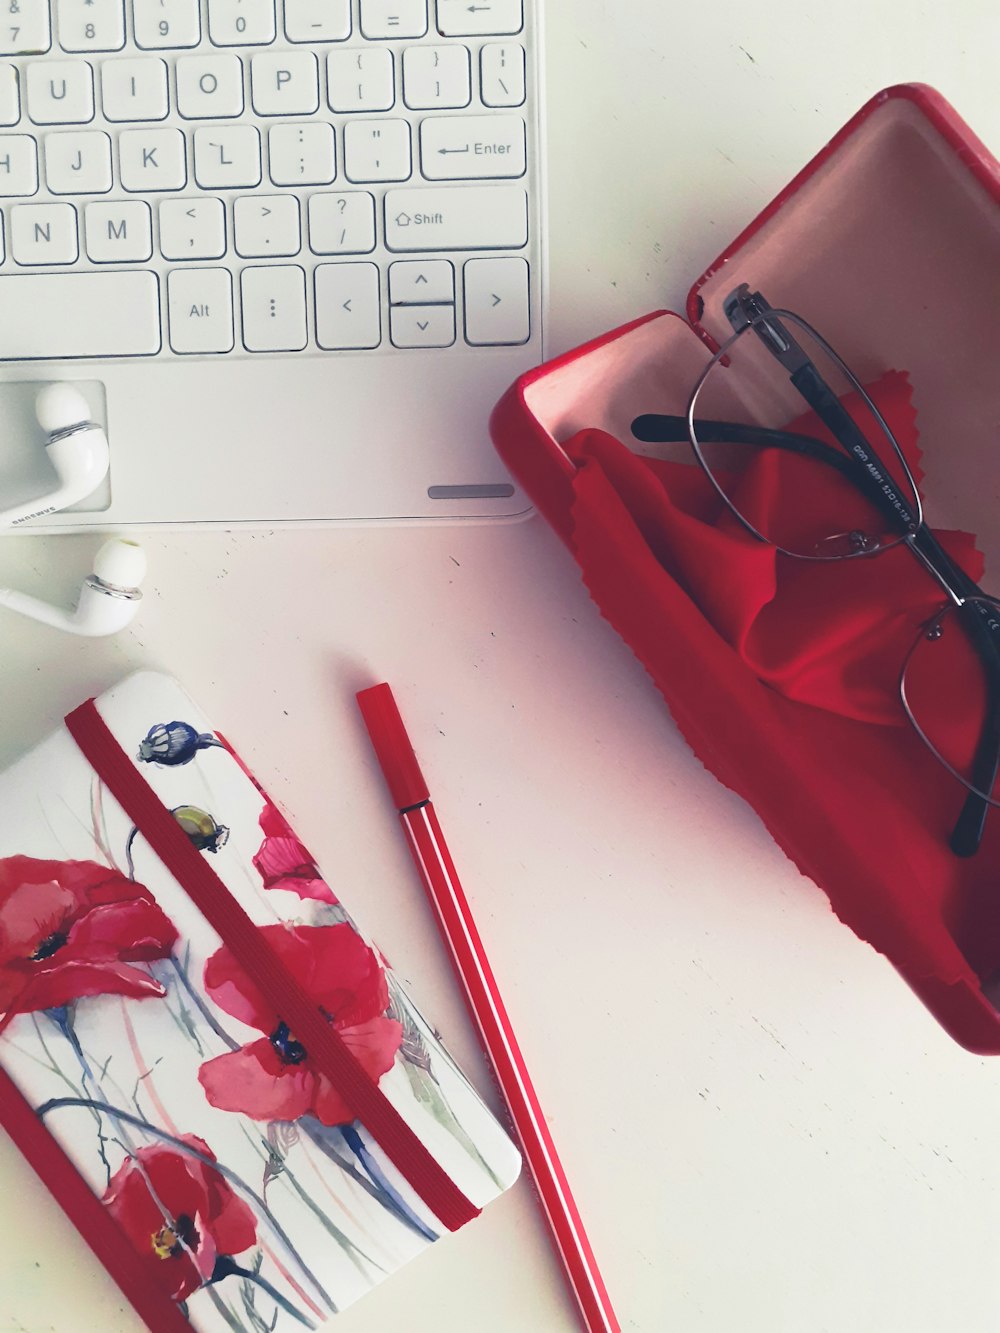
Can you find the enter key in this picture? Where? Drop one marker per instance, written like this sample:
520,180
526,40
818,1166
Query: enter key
472,147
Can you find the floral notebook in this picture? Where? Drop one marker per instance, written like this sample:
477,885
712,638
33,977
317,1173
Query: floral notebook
201,1053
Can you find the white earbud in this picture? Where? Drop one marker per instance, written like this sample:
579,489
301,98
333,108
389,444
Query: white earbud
77,449
108,599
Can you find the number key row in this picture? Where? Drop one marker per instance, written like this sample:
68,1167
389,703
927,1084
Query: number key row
99,25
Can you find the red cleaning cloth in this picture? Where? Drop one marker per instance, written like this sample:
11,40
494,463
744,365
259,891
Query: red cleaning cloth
783,676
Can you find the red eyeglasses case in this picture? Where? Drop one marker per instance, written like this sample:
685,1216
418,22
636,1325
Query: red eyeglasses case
888,242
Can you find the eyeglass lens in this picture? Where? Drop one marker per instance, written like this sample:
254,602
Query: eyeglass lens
950,692
788,478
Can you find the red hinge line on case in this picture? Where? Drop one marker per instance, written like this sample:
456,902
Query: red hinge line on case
43,1152
326,1048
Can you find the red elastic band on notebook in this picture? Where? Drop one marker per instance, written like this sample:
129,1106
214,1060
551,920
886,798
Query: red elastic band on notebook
326,1048
85,1210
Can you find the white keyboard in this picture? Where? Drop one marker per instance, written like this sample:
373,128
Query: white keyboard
249,216
259,176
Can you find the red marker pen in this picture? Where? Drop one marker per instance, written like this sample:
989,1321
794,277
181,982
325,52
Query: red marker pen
437,870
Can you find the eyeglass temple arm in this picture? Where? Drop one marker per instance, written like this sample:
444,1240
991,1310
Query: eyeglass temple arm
967,834
828,407
652,428
657,428
750,310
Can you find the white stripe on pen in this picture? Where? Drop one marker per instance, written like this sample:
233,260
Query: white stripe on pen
421,811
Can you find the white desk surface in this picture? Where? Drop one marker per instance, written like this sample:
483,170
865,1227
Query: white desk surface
765,1131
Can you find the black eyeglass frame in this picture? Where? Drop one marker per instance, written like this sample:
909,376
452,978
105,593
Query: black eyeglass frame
750,314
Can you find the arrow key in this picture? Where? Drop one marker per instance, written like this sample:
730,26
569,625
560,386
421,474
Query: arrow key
422,325
193,228
421,282
266,224
497,305
348,307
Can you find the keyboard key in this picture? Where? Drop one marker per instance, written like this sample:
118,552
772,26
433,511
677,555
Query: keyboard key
470,217
25,30
162,24
200,310
360,80
421,281
266,224
241,22
286,84
301,154
422,325
393,18
342,224
496,302
501,74
18,166
377,150
192,228
348,306
78,162
60,92
43,234
61,315
151,160
227,157
90,25
274,308
317,20
134,89
118,233
209,86
472,147
459,18
10,100
436,76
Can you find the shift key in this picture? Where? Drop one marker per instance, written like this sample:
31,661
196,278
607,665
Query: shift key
466,217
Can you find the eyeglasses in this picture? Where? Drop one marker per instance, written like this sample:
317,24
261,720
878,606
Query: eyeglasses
848,497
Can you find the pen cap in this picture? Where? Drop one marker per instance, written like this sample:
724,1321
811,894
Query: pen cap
392,747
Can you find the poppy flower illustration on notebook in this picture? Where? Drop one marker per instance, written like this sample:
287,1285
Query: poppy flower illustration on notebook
272,1078
70,929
